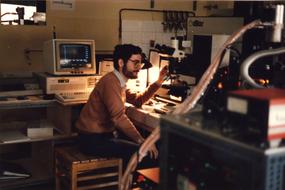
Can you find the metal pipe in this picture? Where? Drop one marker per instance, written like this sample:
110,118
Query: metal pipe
141,10
278,25
251,59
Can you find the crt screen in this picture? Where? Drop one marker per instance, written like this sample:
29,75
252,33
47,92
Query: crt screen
75,55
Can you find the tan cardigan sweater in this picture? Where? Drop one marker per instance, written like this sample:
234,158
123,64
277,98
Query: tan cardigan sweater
105,109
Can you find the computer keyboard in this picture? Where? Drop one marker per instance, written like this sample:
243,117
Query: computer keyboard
73,97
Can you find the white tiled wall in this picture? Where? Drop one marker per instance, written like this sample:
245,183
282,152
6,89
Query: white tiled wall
141,32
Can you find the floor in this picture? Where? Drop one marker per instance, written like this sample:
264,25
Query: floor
52,187
39,187
146,184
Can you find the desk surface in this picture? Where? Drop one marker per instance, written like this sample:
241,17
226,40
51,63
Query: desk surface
29,101
143,118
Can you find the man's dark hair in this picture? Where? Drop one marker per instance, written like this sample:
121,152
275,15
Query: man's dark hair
124,52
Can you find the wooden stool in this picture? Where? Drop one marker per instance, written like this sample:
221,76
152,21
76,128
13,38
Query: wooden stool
76,171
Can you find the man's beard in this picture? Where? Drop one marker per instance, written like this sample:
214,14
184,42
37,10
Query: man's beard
128,74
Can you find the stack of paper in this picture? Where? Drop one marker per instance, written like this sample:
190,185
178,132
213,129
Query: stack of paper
11,136
12,171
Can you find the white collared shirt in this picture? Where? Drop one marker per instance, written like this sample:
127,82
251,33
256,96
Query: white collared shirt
123,81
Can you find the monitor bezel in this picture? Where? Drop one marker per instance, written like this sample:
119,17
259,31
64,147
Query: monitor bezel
79,70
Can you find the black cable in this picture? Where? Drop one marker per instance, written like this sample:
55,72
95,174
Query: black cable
8,13
27,54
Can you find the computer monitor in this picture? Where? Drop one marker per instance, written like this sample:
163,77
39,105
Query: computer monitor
70,57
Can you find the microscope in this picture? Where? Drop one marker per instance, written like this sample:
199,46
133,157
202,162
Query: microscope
179,81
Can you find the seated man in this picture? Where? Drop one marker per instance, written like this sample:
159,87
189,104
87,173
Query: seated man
103,117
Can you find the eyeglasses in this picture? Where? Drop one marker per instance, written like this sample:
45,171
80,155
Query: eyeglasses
137,63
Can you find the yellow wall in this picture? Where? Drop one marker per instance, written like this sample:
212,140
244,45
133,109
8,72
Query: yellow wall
91,19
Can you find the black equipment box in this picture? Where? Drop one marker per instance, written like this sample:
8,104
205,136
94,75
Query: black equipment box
195,154
260,111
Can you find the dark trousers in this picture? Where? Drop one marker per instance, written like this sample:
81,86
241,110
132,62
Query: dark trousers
107,145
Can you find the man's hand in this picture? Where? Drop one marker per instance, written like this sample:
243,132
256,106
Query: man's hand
162,75
153,152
